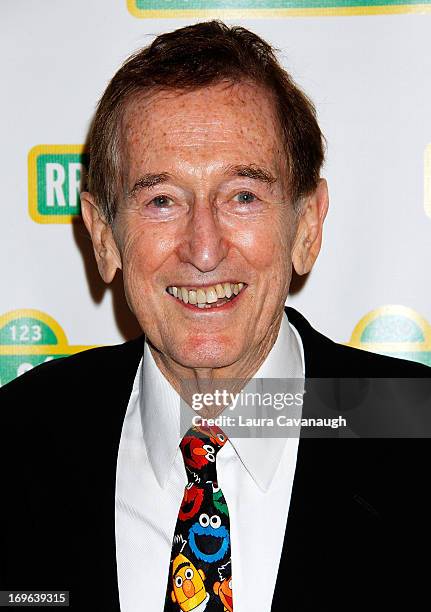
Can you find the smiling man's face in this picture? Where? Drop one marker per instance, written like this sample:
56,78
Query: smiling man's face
205,232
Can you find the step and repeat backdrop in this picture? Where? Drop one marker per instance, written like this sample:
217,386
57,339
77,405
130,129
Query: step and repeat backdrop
366,65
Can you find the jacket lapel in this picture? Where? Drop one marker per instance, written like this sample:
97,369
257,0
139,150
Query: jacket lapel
119,372
317,505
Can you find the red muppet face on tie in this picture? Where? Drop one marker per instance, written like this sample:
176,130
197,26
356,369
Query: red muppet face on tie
198,452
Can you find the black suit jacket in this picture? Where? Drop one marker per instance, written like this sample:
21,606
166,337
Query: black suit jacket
358,521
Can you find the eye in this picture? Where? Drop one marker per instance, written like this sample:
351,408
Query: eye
242,203
221,437
215,521
216,488
178,581
245,197
189,573
230,584
161,201
210,453
204,520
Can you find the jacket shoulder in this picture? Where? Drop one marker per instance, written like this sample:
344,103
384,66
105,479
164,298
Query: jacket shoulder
324,357
380,365
67,373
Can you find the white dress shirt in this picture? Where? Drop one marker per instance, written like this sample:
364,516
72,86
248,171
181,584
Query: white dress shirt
255,475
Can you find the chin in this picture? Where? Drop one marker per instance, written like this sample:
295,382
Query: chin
206,355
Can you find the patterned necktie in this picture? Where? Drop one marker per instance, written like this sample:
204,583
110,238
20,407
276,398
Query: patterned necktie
200,576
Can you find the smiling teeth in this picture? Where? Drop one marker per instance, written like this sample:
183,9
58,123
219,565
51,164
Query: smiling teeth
227,288
185,296
201,296
209,295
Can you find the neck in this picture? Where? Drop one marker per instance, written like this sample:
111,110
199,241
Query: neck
232,377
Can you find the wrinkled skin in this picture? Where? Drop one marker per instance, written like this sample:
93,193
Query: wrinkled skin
205,224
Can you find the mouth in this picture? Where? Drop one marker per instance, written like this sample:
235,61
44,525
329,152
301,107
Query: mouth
228,601
208,298
209,544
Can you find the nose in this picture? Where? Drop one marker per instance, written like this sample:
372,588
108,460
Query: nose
188,588
204,244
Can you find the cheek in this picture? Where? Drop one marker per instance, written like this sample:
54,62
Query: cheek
266,244
144,249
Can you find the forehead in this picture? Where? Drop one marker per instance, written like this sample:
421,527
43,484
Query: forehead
222,122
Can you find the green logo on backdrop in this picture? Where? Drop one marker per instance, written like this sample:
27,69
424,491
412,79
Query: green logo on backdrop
56,175
268,8
27,339
394,330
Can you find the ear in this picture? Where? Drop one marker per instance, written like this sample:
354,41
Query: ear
308,237
105,250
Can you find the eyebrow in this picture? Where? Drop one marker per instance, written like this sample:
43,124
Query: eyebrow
181,565
148,180
252,171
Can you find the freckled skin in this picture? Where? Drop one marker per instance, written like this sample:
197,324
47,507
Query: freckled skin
194,136
203,224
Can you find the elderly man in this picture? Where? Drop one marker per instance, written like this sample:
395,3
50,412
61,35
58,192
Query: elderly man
205,191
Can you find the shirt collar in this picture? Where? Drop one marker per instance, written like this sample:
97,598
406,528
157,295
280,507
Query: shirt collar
160,412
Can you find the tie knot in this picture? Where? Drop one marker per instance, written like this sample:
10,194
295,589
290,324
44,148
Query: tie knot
199,447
